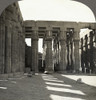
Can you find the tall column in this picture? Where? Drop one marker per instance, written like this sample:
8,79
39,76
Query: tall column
54,54
72,55
63,54
82,56
34,40
8,46
44,53
49,61
14,48
76,52
76,55
91,52
67,55
2,42
22,49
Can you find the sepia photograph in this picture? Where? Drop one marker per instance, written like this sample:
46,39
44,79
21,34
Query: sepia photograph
47,49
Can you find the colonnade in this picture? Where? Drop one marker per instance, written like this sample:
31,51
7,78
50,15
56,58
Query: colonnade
88,52
64,55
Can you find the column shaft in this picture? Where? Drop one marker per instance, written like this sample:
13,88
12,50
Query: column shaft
34,43
63,55
35,55
8,47
76,55
2,43
49,55
15,49
63,52
49,60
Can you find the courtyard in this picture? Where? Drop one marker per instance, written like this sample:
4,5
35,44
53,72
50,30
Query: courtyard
49,87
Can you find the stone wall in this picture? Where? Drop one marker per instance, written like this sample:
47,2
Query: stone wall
12,40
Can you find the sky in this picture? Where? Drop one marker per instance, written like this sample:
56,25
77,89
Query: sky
55,10
65,10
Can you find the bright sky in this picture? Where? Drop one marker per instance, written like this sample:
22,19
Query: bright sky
58,10
65,10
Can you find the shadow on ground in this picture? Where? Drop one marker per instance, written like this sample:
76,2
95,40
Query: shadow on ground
45,87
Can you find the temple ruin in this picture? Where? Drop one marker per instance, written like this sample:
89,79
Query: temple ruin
64,50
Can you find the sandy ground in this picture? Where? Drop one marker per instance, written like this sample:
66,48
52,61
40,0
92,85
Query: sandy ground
49,87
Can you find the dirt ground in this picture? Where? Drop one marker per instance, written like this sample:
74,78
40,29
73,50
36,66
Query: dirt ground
49,87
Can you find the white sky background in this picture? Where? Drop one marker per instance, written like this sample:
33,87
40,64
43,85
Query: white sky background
58,10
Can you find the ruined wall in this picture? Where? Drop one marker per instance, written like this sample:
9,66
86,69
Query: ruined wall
12,40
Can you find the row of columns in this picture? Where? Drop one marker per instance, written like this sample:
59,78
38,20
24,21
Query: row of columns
88,55
63,61
48,57
69,52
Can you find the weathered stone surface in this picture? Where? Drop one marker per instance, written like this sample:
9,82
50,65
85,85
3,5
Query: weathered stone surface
2,43
12,59
76,55
12,43
8,32
49,59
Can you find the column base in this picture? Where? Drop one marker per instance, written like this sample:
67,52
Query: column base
62,72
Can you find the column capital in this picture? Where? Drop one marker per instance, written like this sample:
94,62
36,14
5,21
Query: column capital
62,36
48,35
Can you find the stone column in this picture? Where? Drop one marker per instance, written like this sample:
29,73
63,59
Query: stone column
34,43
82,56
54,54
76,55
22,51
86,55
49,60
76,60
91,52
8,29
58,54
2,43
44,53
72,55
63,54
15,49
